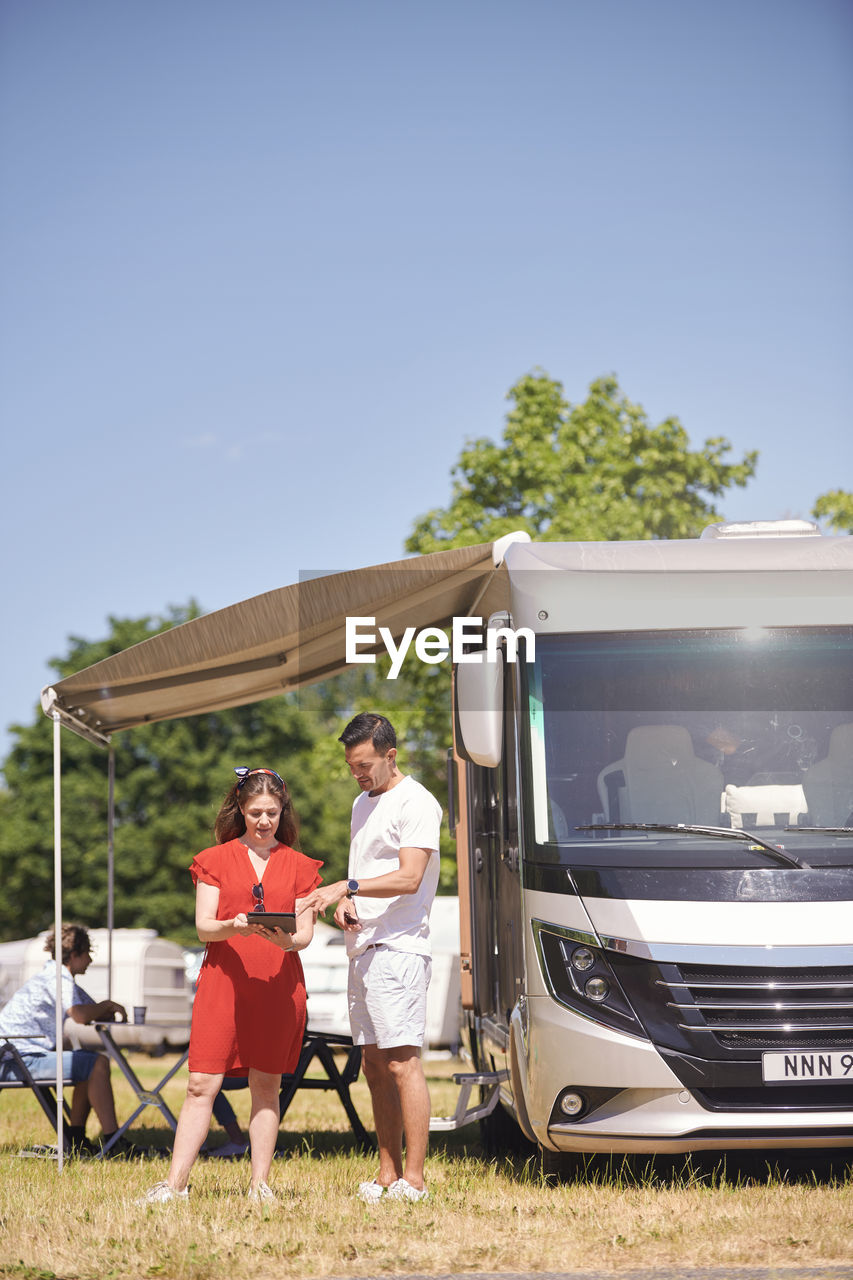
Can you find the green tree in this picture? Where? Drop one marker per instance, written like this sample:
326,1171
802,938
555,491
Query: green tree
836,508
588,472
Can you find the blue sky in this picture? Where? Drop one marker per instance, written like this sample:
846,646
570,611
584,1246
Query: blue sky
266,266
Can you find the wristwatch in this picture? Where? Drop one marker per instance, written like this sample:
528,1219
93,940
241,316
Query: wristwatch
352,888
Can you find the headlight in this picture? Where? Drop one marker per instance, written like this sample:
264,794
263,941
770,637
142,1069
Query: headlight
596,988
579,976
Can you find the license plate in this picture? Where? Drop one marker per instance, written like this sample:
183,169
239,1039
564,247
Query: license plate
807,1066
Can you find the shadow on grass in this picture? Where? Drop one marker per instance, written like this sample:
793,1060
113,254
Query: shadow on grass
502,1145
716,1169
319,1143
521,1161
711,1169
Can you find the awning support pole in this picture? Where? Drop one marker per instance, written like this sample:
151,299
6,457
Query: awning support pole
111,814
57,934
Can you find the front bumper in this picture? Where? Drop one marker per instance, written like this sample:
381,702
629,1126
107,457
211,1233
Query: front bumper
649,1108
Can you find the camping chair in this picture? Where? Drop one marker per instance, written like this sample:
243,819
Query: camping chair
44,1090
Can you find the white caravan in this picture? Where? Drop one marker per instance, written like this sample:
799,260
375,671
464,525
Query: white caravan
654,816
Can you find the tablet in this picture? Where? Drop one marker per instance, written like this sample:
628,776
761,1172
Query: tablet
285,920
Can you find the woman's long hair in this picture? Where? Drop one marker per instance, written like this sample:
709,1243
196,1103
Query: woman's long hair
230,823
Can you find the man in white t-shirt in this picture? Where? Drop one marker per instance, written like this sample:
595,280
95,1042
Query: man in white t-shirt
383,908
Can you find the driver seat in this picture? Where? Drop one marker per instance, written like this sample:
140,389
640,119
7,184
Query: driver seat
660,779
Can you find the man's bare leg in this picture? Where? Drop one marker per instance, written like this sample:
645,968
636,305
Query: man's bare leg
387,1115
80,1105
404,1066
100,1094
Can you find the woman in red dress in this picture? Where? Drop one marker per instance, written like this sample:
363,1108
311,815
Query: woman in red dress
249,1012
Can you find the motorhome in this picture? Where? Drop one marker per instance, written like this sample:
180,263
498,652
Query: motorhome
654,822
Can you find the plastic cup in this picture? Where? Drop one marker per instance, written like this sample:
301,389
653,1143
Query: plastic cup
139,1014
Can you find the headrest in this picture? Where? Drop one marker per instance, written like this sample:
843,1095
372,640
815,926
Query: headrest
841,740
650,744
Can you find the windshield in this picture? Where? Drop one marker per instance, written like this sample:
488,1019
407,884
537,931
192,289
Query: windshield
749,729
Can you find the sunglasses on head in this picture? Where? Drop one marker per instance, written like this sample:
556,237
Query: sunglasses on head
244,771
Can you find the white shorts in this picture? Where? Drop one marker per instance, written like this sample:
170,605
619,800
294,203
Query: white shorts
387,997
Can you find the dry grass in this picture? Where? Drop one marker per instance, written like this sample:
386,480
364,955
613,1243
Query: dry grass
482,1215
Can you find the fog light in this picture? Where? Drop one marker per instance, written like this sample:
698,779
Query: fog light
582,959
596,988
572,1104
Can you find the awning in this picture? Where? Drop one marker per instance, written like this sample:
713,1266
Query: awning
274,642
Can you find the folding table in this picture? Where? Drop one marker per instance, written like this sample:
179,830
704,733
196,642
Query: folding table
147,1097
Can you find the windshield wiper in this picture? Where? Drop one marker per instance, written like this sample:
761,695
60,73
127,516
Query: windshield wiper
825,831
720,833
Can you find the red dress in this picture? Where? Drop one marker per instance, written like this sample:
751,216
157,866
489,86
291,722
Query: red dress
249,1008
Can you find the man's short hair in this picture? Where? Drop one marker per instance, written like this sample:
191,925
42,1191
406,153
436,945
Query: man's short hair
370,727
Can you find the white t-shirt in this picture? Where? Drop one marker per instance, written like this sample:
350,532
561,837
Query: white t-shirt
406,816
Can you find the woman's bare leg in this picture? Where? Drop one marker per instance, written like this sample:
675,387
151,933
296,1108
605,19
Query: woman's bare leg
193,1125
263,1122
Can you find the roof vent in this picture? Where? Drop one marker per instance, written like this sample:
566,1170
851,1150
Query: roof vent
763,529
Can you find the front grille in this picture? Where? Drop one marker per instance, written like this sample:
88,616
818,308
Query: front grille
775,1040
745,1008
823,1097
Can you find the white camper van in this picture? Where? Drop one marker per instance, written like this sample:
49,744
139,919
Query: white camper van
654,819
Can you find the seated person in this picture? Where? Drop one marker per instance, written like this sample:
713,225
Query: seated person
31,1012
756,750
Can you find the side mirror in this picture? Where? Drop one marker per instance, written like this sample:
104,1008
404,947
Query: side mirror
480,707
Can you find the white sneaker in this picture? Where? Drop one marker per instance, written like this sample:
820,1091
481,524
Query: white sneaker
262,1194
403,1190
229,1150
371,1192
162,1193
